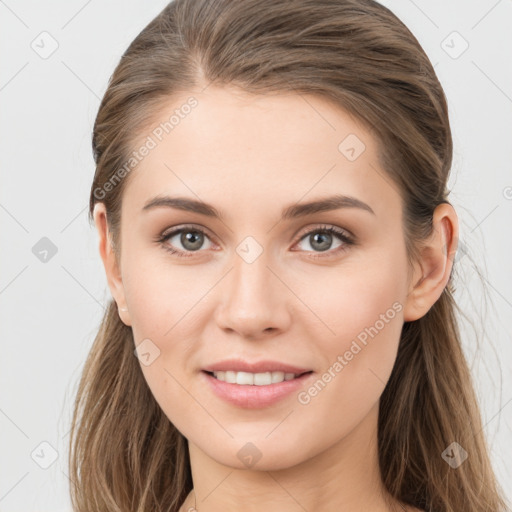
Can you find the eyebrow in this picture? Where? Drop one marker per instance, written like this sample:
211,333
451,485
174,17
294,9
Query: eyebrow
293,211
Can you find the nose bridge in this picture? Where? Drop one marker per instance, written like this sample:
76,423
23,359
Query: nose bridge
250,279
253,300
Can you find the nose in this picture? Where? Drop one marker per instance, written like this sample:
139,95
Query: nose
255,303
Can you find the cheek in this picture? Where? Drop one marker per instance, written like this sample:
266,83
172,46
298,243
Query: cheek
164,309
363,309
168,311
361,313
160,295
368,310
360,302
358,363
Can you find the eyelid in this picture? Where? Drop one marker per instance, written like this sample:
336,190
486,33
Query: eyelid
182,227
326,227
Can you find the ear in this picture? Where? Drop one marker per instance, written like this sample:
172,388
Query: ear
432,272
110,262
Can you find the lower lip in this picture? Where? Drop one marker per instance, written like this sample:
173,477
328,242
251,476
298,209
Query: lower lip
255,397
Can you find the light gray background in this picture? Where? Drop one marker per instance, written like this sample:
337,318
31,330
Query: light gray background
50,311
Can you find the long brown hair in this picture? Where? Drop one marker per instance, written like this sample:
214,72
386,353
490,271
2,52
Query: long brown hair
125,454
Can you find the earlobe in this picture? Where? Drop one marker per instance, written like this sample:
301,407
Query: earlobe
433,271
110,261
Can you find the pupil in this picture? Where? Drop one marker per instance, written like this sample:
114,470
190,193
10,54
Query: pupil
326,237
187,239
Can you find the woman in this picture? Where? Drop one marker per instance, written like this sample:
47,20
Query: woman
271,203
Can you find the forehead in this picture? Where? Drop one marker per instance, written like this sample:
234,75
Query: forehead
256,152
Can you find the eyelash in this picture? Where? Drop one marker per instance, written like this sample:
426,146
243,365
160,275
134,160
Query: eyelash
342,235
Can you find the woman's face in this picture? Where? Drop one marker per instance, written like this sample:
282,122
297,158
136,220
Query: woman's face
253,285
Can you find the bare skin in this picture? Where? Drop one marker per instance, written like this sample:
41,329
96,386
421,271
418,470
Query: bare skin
251,157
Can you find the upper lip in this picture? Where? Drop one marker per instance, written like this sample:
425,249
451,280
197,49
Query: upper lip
238,365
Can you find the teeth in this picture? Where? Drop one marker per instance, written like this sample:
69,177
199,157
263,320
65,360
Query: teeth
256,379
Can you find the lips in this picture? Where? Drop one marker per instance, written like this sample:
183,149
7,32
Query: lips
238,365
255,397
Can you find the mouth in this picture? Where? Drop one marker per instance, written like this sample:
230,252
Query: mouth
255,379
255,391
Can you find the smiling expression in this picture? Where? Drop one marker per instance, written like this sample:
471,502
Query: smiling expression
250,231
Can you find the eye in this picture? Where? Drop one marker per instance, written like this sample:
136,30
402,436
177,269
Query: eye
321,239
190,238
